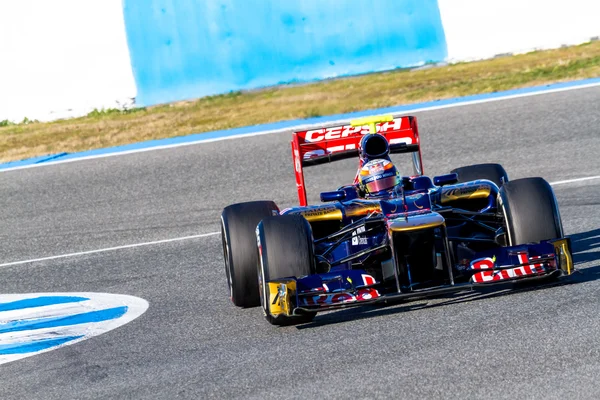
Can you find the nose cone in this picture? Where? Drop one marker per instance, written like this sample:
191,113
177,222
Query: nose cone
416,222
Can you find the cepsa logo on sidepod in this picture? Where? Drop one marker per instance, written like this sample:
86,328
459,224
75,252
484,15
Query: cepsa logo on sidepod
338,132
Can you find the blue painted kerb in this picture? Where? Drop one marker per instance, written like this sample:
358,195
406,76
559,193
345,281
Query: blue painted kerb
200,137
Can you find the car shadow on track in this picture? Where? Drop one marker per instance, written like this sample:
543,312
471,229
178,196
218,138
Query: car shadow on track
586,249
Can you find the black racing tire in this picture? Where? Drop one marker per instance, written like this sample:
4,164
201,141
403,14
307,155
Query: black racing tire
491,172
530,210
285,250
238,235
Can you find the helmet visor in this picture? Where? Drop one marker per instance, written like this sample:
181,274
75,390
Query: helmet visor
382,184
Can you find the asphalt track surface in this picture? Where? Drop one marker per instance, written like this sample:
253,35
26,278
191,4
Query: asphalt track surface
193,343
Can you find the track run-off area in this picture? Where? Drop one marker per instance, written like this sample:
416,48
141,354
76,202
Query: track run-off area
145,225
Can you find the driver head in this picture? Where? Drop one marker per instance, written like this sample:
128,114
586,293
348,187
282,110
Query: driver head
379,178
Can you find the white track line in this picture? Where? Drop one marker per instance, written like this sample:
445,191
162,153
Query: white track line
130,246
308,126
587,178
127,246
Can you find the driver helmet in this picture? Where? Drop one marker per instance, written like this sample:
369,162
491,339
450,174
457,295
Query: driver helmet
379,178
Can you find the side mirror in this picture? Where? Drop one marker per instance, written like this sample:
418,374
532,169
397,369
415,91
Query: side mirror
447,179
338,195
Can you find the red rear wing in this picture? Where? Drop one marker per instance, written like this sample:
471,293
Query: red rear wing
337,142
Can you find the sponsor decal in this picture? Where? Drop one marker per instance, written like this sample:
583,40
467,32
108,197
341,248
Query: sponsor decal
315,153
368,280
357,239
323,152
376,166
338,132
511,273
461,191
363,294
483,263
373,178
319,212
367,294
465,192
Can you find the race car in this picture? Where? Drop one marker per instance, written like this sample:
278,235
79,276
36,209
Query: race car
387,236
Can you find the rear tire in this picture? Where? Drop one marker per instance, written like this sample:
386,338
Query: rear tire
491,172
531,211
286,250
238,235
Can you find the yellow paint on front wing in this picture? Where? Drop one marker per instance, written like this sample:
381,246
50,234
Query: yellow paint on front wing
564,256
280,297
463,192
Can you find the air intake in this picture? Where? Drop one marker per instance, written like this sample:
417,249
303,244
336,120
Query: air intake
375,146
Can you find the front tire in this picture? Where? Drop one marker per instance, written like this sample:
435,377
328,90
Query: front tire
286,250
531,211
238,235
491,172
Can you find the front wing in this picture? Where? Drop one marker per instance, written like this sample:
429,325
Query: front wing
291,296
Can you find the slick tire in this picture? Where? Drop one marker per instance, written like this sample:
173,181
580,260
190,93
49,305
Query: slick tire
531,211
285,250
491,172
238,235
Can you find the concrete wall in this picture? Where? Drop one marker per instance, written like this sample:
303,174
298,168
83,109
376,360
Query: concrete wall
185,48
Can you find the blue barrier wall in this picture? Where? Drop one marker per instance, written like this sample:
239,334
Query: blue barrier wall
184,49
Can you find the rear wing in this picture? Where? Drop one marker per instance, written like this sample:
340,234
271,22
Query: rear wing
341,141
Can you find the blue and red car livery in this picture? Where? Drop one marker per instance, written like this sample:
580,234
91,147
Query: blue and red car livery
428,236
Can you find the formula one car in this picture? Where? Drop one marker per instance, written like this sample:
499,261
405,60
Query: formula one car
388,236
